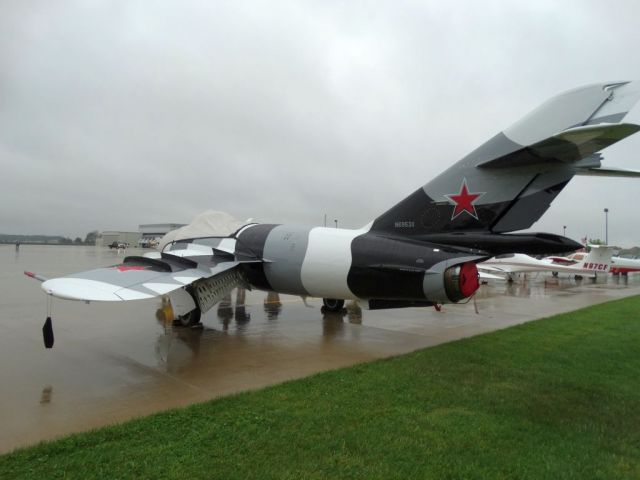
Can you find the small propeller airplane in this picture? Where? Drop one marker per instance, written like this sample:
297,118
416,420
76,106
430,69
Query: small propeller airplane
619,265
598,260
421,252
624,265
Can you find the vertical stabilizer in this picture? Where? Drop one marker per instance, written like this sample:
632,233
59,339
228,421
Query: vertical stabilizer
509,182
597,260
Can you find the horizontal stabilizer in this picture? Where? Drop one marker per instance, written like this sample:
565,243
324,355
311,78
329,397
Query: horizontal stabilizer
608,172
530,242
568,146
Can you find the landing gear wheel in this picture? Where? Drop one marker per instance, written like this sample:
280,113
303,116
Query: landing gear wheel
188,319
332,304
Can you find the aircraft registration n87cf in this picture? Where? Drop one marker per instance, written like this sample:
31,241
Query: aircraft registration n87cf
422,251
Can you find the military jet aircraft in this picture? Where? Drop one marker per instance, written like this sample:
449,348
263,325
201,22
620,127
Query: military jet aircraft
422,251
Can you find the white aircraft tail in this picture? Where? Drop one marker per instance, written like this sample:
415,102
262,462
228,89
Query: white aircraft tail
598,259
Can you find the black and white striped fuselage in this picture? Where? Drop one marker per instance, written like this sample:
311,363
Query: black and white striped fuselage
346,264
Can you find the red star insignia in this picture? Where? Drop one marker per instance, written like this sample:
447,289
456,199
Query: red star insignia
464,201
125,268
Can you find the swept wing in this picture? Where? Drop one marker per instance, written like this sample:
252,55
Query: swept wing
188,263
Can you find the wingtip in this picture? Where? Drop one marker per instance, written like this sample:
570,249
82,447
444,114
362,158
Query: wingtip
35,276
81,290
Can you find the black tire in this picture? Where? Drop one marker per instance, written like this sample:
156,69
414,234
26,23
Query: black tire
189,319
332,304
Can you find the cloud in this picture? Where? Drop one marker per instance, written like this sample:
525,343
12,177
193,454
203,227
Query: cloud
120,113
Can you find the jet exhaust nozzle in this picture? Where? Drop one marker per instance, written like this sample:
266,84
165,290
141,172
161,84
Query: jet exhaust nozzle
461,281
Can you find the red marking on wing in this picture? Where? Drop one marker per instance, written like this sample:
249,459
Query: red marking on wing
125,268
561,260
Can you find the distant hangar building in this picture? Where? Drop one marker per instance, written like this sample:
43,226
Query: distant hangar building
150,232
155,231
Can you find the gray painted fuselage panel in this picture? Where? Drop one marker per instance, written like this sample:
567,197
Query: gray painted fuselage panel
285,249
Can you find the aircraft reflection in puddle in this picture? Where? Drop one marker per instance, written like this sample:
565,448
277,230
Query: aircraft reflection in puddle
46,394
544,286
178,347
517,289
333,322
620,279
227,311
272,305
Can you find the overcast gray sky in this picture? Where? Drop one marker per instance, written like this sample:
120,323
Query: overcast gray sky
116,113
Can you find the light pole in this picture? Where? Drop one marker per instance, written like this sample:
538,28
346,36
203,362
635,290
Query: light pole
564,231
336,220
606,226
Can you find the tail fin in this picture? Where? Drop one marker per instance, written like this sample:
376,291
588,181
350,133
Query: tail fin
510,181
598,259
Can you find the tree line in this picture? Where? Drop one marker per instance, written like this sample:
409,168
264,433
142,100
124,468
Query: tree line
90,239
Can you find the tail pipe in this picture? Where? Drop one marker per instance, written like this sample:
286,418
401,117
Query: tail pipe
461,281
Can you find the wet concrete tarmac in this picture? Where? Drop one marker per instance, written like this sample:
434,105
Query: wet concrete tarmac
112,362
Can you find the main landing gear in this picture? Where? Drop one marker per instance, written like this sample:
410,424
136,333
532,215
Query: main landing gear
185,308
332,305
189,319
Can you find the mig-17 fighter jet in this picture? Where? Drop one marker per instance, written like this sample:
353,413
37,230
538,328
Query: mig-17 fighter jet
422,251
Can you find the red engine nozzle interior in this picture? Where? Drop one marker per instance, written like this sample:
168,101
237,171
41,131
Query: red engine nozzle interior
468,279
461,281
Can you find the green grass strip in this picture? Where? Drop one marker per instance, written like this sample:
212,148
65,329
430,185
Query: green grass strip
557,398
